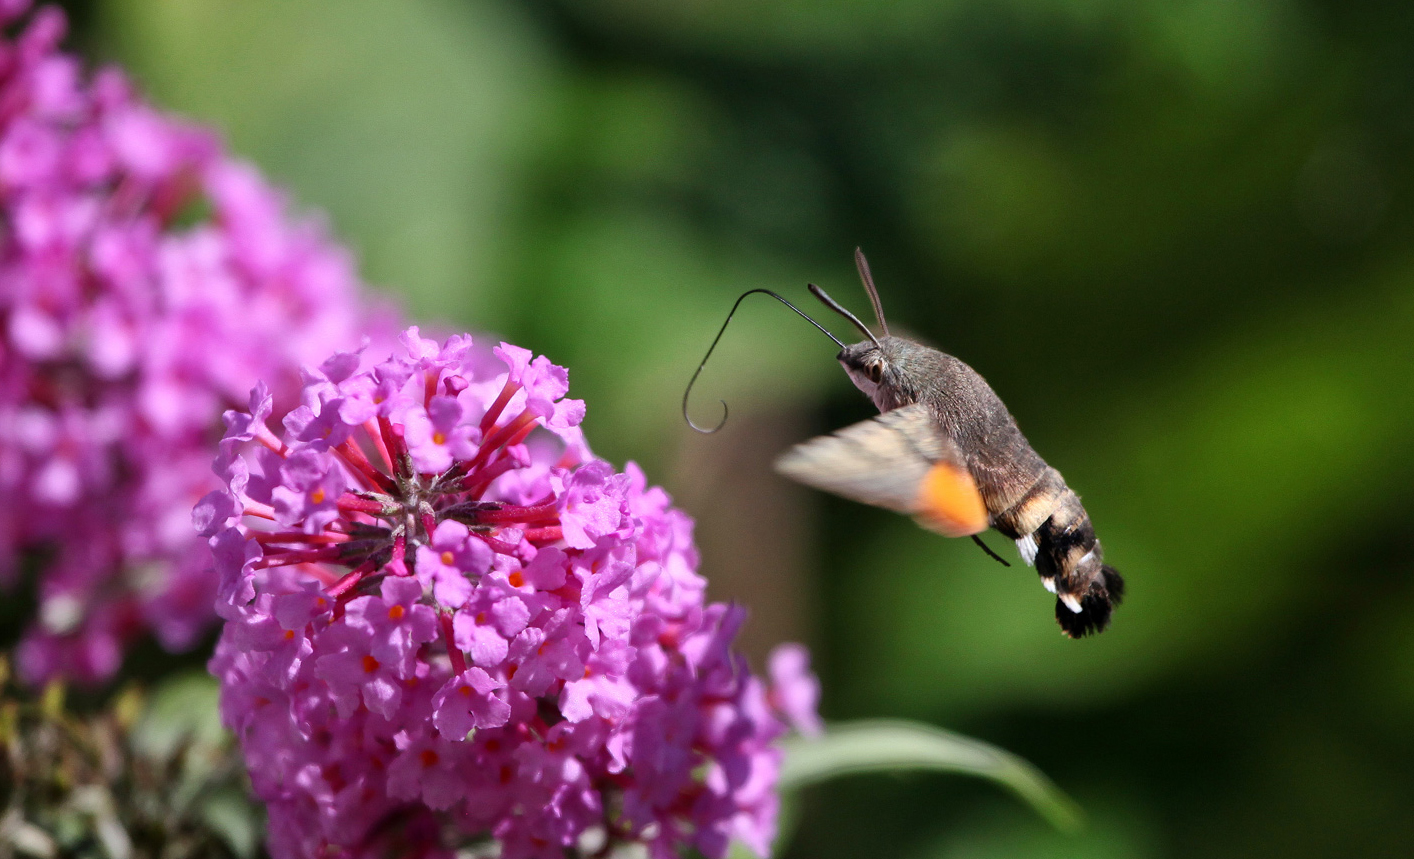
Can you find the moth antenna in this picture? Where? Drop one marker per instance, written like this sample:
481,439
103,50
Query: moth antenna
988,549
839,308
688,391
863,265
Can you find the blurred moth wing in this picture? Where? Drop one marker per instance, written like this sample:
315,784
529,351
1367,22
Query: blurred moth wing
899,460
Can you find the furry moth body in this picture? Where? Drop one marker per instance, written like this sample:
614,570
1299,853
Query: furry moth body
945,450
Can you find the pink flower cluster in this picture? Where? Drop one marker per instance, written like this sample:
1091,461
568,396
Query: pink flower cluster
441,619
146,282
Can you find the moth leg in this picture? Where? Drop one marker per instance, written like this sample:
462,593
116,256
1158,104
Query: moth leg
988,549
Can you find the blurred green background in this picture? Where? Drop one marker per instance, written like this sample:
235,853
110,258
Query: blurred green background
1174,236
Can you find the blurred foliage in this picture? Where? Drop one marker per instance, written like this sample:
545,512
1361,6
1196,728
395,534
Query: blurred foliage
1175,236
896,746
146,778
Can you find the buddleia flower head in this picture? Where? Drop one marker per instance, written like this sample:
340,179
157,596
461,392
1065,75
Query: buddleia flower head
147,280
445,615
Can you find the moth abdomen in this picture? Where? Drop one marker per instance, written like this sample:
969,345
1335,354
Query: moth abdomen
1071,564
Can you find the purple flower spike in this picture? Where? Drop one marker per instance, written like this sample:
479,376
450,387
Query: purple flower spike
478,629
126,328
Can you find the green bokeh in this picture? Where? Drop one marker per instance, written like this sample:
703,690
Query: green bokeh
1176,237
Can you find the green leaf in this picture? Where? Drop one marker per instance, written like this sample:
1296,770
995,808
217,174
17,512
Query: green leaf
184,708
893,745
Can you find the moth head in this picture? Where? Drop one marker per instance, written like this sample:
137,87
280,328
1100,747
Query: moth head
874,369
868,364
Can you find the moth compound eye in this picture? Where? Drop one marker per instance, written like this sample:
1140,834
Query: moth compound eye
875,372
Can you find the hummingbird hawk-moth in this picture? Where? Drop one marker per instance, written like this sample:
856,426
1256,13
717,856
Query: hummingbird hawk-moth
945,450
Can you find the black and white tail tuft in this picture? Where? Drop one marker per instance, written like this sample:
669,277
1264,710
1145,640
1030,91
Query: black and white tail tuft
1104,593
1070,562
